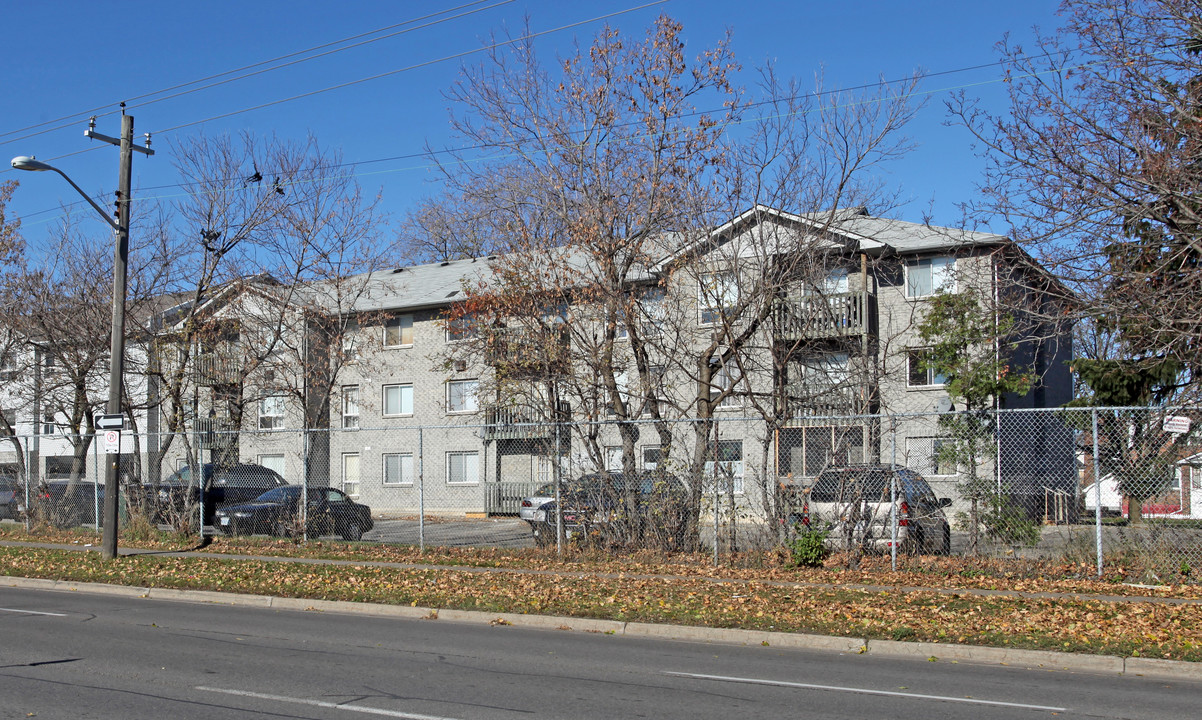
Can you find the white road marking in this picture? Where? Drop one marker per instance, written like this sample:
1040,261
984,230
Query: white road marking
31,612
324,704
865,691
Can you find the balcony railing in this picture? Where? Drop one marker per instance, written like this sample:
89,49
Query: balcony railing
815,400
822,316
520,352
521,423
216,432
211,369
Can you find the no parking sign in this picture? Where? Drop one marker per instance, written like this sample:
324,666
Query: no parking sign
112,442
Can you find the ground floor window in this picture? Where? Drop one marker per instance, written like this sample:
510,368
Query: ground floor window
398,468
806,451
727,467
463,467
350,474
273,462
931,455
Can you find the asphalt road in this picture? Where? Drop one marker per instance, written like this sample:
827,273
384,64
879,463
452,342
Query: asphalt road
78,655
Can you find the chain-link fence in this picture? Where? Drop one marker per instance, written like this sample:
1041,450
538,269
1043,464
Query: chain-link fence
1114,487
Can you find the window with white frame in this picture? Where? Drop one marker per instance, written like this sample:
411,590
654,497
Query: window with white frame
931,455
271,412
613,459
350,406
350,340
918,370
350,474
398,331
459,329
723,379
648,312
398,468
727,467
545,471
461,396
273,462
833,283
463,467
928,276
652,456
718,295
398,400
48,426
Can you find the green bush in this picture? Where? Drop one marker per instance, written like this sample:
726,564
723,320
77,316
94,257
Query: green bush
808,549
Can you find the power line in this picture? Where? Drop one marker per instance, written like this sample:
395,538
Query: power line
100,111
426,63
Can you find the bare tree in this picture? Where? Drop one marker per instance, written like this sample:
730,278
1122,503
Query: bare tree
1095,163
613,180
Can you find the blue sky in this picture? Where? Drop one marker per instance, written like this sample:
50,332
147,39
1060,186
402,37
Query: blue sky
67,57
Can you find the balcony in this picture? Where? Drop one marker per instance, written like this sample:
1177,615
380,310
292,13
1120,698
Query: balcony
521,423
813,400
212,370
524,353
216,433
836,315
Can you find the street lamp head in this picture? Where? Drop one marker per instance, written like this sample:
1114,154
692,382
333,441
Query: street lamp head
24,162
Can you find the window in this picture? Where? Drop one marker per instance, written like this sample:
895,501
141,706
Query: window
350,340
8,369
545,471
834,283
806,451
651,457
463,467
398,400
398,468
718,296
350,406
271,412
350,474
649,315
931,455
918,373
48,426
273,462
461,396
459,329
727,466
10,421
724,379
930,275
613,459
398,331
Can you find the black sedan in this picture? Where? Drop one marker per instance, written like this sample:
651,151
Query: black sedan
328,511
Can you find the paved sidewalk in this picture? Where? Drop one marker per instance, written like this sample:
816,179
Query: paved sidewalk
933,652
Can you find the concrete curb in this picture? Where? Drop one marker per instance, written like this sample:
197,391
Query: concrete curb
935,652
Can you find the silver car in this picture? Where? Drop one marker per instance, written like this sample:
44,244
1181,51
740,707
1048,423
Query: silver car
531,508
858,504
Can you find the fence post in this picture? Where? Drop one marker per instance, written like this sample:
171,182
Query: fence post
421,491
1097,493
893,493
304,498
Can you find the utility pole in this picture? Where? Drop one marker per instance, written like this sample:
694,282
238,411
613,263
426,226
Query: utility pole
112,475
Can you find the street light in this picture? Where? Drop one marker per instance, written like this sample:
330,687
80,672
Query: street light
112,490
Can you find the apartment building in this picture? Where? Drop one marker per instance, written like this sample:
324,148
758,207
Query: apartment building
378,386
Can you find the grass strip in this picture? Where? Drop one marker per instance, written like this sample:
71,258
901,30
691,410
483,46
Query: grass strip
1142,629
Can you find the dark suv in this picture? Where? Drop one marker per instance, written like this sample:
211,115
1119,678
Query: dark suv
178,495
857,505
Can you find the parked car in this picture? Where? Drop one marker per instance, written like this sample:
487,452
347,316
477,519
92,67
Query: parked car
649,510
855,505
328,511
179,494
12,498
65,504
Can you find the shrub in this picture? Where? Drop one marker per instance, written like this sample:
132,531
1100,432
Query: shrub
808,549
